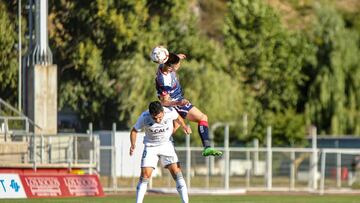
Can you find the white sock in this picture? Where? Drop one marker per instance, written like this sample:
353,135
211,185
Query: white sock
141,189
181,187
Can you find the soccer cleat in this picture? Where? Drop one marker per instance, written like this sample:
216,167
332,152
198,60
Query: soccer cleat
209,151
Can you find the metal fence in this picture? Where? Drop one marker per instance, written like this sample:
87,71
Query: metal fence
20,148
254,168
80,151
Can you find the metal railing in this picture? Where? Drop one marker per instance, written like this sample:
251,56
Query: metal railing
23,148
291,170
61,150
268,168
15,123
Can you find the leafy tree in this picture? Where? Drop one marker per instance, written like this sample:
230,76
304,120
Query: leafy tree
289,129
333,96
8,56
257,66
101,49
266,58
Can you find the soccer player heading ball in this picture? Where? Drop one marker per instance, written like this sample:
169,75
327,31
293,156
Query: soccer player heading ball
158,124
170,93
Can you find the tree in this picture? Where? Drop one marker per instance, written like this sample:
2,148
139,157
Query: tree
100,49
333,96
8,56
267,59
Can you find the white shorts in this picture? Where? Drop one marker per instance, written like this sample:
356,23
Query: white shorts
166,153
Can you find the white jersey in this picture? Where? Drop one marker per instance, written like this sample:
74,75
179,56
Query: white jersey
157,133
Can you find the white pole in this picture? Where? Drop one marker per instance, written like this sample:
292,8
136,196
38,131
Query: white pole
188,161
227,156
322,181
42,149
113,157
50,150
338,169
20,64
247,169
256,156
212,144
314,159
97,154
210,160
292,170
34,152
269,159
41,54
207,180
91,151
71,152
75,150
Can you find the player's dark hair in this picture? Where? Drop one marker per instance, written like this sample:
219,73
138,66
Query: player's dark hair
173,59
155,108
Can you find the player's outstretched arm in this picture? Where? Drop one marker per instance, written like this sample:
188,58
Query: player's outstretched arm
176,126
181,56
186,128
133,135
177,66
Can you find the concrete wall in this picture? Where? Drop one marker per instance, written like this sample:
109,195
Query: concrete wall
13,153
42,98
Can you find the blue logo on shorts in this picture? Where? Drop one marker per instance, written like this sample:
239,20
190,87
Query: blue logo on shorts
144,154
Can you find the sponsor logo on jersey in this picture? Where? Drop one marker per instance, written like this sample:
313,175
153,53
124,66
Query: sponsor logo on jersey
158,130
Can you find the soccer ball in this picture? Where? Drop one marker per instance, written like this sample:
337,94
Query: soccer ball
159,55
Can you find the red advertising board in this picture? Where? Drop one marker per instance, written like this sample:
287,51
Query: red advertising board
82,186
61,185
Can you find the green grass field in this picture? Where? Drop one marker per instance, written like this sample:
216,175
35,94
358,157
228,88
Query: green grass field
203,199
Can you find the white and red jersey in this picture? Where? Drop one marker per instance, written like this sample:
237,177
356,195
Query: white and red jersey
157,133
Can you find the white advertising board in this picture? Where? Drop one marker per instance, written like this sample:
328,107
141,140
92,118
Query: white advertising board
11,186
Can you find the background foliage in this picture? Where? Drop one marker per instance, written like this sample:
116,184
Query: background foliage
285,63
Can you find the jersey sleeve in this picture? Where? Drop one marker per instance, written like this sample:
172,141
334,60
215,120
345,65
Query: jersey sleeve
174,114
171,113
140,123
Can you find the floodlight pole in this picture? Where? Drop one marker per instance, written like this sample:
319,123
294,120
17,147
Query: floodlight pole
19,57
41,74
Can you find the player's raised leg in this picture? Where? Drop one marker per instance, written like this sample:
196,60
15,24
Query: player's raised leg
143,182
196,115
176,173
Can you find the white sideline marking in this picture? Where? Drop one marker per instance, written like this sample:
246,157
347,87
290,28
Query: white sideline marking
218,191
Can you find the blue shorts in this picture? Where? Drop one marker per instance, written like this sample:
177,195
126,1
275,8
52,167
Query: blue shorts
184,110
